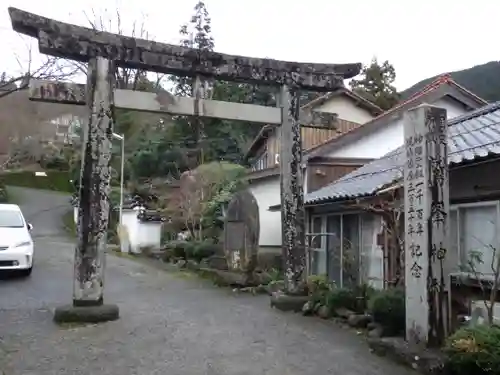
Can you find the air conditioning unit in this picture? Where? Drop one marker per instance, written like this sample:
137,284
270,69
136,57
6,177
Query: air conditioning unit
277,159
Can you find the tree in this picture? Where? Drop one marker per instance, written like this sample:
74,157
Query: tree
389,207
22,123
202,194
489,282
195,34
377,84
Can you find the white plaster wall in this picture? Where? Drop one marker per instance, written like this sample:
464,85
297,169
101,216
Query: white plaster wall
371,252
149,234
376,145
345,109
267,193
130,222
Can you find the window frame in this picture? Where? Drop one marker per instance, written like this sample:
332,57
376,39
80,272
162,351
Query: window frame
324,239
260,162
461,206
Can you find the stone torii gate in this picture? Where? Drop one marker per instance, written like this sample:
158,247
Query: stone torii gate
105,51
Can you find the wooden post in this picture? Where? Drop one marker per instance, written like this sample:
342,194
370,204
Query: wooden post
426,192
292,194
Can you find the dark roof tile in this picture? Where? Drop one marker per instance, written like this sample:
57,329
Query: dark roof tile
471,136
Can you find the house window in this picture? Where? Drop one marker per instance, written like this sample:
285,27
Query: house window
318,261
474,227
337,252
261,162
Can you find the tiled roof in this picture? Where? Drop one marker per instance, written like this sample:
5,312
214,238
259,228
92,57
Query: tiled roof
400,108
474,135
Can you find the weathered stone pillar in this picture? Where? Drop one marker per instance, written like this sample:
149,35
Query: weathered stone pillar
93,214
426,193
292,193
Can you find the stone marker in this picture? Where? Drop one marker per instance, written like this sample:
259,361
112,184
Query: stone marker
426,224
241,232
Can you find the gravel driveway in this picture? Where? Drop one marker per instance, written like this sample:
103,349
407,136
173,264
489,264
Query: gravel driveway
170,324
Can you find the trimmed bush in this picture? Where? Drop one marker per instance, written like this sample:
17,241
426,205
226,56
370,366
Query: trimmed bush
55,180
318,288
342,298
388,309
203,250
191,249
474,350
179,249
363,293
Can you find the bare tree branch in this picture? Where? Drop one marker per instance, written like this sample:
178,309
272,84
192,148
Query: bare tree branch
126,78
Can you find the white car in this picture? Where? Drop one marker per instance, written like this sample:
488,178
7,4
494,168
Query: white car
16,244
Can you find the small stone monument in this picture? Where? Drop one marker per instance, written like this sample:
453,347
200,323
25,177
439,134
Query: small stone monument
241,232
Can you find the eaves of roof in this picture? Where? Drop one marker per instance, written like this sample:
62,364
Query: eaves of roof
440,87
471,137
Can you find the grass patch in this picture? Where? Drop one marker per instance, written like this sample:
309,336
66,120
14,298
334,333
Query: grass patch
54,181
74,325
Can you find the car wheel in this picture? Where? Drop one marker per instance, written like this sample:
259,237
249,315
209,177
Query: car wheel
27,272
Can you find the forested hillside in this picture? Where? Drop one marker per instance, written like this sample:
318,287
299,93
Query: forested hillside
483,80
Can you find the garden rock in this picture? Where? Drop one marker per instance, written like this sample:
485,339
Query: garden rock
344,313
324,312
275,286
426,361
192,265
316,307
285,302
308,308
217,262
181,264
376,332
359,320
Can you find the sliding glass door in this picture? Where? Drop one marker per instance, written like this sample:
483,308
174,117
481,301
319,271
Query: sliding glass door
334,246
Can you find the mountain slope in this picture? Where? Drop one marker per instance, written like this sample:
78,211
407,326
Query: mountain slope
482,80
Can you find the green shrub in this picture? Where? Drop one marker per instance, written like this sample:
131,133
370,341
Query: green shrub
55,180
168,255
203,250
363,293
342,298
179,249
318,288
388,309
4,197
195,250
474,350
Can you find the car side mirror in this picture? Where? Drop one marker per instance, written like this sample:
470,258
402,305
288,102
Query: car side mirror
30,226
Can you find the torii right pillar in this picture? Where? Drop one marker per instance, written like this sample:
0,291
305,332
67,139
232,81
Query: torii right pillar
426,204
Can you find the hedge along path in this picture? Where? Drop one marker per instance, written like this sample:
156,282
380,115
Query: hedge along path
55,180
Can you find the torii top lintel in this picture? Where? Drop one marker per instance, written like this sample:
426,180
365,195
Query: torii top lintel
80,43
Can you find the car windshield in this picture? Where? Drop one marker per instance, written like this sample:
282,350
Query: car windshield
11,219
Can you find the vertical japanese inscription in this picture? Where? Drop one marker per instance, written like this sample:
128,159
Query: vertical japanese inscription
414,210
426,201
437,222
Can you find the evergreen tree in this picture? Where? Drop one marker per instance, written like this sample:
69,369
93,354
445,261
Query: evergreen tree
196,34
377,84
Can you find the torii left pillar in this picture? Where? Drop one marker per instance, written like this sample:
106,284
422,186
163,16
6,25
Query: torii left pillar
93,213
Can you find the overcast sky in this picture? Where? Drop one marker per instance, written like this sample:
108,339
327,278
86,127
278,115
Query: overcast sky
420,38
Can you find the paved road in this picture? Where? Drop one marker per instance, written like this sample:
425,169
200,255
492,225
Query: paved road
169,324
